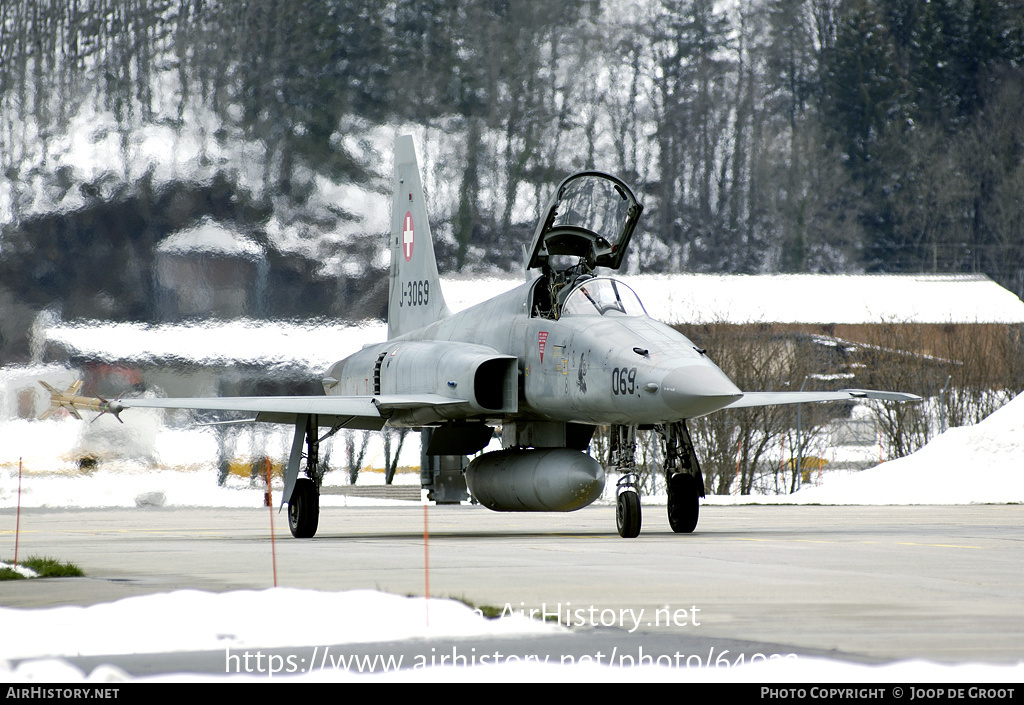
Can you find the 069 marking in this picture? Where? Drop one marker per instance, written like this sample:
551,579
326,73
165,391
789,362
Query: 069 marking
624,380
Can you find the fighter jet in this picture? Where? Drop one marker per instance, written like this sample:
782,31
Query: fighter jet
546,363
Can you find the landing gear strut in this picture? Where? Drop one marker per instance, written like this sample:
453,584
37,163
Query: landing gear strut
627,495
304,502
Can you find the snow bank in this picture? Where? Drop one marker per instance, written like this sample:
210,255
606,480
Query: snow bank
976,464
197,620
191,620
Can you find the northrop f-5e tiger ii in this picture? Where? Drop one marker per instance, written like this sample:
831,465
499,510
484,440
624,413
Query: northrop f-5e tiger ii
546,363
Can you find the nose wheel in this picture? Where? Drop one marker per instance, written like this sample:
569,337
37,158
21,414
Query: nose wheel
627,494
627,507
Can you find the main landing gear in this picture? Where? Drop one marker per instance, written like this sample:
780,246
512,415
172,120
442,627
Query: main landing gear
304,501
682,476
304,509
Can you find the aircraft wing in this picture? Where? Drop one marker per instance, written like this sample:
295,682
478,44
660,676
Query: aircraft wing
750,399
363,412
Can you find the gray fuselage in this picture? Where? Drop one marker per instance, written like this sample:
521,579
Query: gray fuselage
584,368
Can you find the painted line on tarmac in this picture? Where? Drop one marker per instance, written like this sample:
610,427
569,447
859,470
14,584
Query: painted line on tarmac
847,543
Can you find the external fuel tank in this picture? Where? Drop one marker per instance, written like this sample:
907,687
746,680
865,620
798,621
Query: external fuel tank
535,480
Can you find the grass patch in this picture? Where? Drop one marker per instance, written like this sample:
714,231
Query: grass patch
52,568
488,611
44,568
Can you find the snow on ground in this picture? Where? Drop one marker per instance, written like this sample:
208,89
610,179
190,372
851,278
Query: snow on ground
976,464
357,616
187,620
982,463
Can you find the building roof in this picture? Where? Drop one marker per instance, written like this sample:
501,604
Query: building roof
314,344
673,299
799,298
211,237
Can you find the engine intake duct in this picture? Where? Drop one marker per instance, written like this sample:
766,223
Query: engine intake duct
490,385
485,380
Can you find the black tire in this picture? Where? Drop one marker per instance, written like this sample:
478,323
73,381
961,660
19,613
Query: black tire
683,503
627,514
304,509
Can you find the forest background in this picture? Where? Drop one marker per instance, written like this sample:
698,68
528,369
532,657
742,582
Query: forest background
763,136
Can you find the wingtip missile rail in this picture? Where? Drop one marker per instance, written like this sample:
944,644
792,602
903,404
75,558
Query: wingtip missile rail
69,400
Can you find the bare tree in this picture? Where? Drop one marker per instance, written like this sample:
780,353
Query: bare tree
355,453
391,456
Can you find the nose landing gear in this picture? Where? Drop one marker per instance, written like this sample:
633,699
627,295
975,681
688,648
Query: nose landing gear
627,507
627,494
682,476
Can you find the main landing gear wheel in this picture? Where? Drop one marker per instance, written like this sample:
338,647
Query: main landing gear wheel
304,509
627,513
683,503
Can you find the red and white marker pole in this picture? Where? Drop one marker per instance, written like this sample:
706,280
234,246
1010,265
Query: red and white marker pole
273,547
426,567
17,525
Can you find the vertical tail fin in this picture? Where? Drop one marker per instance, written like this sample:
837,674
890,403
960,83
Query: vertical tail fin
414,297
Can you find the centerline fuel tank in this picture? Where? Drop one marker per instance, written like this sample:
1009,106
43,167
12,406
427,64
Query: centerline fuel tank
535,480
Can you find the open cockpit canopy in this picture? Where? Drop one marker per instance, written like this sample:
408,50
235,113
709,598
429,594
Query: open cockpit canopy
591,216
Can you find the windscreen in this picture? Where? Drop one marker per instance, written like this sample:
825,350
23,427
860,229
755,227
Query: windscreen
602,297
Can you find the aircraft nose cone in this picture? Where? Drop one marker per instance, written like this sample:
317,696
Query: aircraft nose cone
697,390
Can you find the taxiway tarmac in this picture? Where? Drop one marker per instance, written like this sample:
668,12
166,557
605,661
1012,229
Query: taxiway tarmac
944,583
